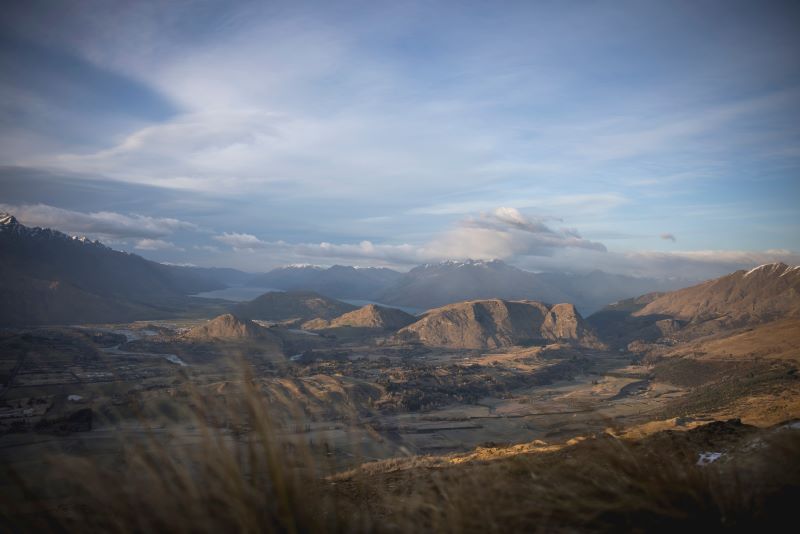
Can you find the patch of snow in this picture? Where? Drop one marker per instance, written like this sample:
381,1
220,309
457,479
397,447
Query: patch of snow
791,270
773,267
301,331
295,357
174,359
754,269
709,457
74,398
304,266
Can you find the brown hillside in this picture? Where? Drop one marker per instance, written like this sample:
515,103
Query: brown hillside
228,326
369,316
488,324
762,294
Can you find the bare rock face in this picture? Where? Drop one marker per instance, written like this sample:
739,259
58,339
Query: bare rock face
668,327
228,326
369,316
561,322
316,324
488,324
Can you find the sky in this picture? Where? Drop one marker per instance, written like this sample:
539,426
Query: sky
645,138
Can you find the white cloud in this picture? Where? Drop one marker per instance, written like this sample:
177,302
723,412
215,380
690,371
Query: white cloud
504,233
155,244
508,234
242,241
107,224
513,217
507,229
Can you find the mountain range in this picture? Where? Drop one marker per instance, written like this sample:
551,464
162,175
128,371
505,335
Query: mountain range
47,276
291,306
432,285
338,281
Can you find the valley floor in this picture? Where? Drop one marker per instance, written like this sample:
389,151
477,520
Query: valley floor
93,392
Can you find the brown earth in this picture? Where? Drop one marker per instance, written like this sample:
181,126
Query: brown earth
488,324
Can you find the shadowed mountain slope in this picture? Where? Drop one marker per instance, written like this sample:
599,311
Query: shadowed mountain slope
47,276
292,305
433,285
338,281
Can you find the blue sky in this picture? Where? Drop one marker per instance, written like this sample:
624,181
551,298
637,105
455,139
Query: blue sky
649,138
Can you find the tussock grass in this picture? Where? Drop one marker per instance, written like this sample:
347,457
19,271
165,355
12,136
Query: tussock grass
239,475
601,484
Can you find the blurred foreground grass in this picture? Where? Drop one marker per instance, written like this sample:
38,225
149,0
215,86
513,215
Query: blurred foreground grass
241,475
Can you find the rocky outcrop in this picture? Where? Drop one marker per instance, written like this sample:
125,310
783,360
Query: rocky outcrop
370,316
488,324
230,327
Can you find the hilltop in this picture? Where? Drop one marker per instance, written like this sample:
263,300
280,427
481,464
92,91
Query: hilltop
762,294
488,324
717,310
228,326
369,316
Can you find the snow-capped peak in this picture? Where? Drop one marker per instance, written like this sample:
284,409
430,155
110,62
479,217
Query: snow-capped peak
469,262
771,268
10,226
6,219
303,266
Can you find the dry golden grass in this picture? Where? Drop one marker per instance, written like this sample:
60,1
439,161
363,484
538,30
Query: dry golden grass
597,485
240,476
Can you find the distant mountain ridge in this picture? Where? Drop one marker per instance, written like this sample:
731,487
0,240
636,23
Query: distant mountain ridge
436,284
47,276
338,281
291,305
433,285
